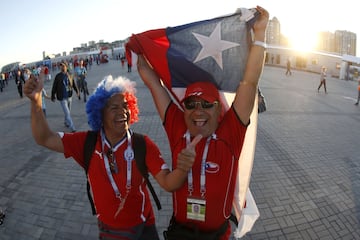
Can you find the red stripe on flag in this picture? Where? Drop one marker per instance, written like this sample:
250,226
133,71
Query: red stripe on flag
153,45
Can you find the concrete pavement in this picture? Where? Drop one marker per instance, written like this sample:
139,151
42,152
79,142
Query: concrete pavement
306,175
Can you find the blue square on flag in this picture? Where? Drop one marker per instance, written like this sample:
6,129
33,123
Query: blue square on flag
212,50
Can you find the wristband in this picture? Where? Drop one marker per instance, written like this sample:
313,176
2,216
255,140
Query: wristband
260,44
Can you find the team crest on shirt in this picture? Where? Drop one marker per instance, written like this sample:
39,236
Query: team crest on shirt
212,167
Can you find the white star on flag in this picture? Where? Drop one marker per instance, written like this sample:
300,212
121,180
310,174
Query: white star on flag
213,46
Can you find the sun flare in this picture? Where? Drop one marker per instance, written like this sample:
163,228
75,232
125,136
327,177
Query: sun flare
303,41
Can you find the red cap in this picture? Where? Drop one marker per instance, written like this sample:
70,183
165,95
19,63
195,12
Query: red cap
204,90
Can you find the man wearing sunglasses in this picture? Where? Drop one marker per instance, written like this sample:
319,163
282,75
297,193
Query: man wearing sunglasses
204,203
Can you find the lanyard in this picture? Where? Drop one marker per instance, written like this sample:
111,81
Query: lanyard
128,155
202,169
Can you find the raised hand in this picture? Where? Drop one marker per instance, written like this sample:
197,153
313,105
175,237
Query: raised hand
262,21
186,157
34,85
145,70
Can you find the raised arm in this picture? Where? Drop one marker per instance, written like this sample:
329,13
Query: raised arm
152,81
42,134
247,90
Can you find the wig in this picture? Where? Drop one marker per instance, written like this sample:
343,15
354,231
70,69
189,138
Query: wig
105,90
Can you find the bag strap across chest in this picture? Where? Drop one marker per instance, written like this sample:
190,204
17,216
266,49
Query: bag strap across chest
139,146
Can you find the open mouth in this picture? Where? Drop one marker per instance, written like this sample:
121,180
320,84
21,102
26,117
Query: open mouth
199,122
121,120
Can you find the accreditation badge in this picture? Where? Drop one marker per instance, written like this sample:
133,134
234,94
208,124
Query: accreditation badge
196,209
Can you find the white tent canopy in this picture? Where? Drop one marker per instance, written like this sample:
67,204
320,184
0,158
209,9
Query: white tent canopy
350,58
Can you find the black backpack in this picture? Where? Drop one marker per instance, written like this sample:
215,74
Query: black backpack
139,146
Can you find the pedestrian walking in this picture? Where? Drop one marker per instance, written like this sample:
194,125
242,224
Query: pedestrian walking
80,74
358,88
19,80
44,96
62,90
288,67
323,78
2,81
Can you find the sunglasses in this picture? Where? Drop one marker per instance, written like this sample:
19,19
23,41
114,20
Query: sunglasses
189,104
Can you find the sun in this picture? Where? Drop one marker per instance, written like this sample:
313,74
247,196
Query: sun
303,41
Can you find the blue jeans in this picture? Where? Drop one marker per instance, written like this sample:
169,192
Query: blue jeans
66,106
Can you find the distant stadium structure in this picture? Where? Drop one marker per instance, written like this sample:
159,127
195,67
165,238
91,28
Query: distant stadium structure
10,67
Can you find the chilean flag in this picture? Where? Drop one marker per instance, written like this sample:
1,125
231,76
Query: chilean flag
210,50
213,50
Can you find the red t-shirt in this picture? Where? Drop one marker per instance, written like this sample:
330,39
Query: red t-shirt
221,167
137,208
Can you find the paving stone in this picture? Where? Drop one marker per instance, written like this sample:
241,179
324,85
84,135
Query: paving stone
305,179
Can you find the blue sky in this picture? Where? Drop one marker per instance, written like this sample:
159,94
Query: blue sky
29,27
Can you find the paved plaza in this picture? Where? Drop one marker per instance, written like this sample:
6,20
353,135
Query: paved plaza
305,179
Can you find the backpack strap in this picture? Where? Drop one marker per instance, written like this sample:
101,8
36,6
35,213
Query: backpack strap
89,147
139,146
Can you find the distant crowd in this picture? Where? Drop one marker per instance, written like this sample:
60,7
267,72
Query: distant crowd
22,73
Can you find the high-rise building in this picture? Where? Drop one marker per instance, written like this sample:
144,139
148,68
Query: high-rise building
326,42
273,33
340,42
345,42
